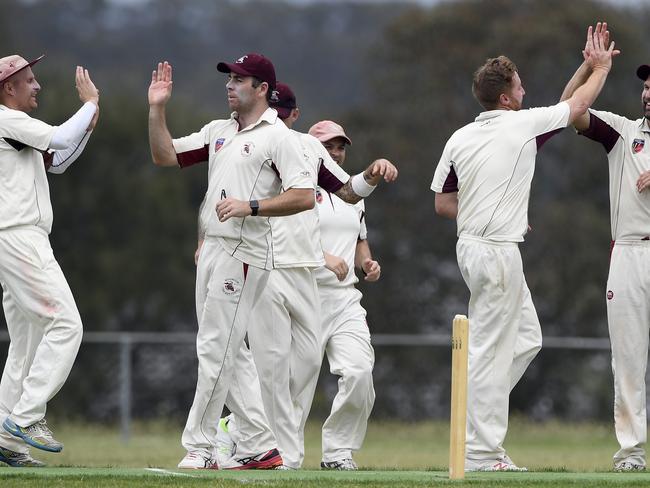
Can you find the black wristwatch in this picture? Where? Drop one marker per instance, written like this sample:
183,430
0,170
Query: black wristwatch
255,207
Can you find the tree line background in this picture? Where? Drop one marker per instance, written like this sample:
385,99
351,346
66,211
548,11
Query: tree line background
398,78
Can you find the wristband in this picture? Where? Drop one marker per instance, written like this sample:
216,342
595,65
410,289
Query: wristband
360,186
255,207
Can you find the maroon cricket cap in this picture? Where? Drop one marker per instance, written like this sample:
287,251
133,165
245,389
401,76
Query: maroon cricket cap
251,64
643,71
283,100
10,65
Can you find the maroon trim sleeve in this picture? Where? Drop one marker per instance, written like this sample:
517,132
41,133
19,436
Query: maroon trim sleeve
451,182
542,138
195,156
48,159
327,180
602,132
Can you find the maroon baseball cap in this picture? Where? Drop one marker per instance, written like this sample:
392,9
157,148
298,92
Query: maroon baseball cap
10,65
643,71
251,64
283,100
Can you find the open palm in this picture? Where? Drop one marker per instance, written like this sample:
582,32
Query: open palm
160,89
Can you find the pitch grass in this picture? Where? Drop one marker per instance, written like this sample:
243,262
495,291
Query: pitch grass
394,455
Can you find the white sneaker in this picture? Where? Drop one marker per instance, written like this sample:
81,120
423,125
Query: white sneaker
346,464
197,460
225,445
502,464
622,466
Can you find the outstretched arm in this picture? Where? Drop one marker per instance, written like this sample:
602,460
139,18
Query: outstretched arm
362,185
160,140
586,84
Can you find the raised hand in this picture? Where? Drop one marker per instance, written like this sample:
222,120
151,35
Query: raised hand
599,51
85,86
380,168
160,89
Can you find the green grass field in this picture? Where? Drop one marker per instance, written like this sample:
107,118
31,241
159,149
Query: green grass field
394,455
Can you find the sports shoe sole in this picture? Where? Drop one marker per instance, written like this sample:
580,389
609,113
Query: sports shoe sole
16,431
271,461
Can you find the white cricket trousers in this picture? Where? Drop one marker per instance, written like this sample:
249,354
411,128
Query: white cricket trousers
285,338
44,328
504,337
628,315
226,290
346,340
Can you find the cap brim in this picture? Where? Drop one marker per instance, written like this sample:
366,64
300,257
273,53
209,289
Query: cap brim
329,137
643,72
232,68
33,62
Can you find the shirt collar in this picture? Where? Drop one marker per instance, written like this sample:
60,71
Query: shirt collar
643,125
489,114
270,116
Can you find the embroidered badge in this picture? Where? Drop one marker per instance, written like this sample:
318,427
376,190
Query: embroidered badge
319,196
230,286
610,294
247,149
218,144
637,145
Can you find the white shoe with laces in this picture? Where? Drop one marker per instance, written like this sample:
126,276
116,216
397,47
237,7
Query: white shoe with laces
197,460
346,464
501,464
624,466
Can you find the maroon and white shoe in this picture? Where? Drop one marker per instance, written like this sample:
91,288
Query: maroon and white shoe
266,460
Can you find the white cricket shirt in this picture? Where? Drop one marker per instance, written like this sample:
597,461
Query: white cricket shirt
493,160
296,238
24,191
627,143
341,226
253,163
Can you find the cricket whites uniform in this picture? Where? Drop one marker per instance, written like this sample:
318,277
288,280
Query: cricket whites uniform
345,334
284,332
627,143
42,319
490,162
253,163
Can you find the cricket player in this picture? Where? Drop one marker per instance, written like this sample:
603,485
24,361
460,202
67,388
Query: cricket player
44,325
627,144
284,332
483,180
345,336
257,170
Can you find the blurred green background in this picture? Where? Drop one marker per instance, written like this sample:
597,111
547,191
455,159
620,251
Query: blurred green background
398,77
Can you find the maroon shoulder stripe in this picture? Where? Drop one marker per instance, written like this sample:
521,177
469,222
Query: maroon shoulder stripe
48,159
195,156
602,132
542,138
451,182
327,180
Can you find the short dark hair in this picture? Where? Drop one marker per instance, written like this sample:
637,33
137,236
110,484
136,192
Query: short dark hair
257,82
491,80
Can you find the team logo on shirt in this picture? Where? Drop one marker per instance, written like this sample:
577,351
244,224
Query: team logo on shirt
231,286
247,149
218,144
610,294
319,196
637,145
